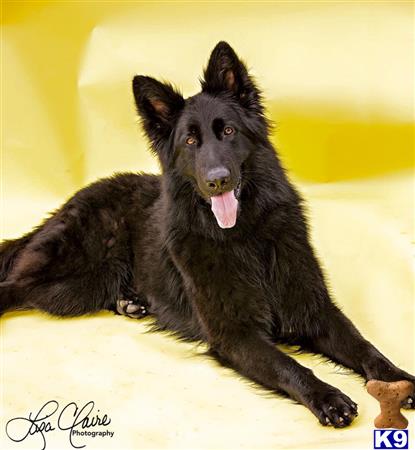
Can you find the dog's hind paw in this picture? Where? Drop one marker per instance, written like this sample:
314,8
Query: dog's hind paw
132,308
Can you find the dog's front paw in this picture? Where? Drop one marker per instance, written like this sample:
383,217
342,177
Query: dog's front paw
409,402
333,408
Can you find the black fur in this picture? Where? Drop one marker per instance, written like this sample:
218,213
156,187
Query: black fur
154,243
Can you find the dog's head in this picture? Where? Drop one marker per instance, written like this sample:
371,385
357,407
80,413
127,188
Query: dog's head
207,138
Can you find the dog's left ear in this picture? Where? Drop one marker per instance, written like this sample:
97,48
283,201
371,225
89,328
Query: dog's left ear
159,106
225,72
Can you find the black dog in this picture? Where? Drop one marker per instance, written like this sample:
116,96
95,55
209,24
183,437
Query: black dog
216,248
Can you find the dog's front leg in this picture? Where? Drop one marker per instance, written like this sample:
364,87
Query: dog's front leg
343,343
319,324
234,317
259,360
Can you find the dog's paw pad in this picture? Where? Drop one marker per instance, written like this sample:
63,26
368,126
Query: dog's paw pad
132,309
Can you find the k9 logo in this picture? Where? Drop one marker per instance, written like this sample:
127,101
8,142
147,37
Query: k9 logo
390,439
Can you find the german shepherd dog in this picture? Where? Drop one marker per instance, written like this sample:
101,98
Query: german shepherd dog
216,248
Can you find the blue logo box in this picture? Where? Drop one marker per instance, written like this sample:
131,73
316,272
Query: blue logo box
390,439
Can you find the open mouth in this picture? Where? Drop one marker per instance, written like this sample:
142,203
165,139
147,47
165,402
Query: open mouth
225,207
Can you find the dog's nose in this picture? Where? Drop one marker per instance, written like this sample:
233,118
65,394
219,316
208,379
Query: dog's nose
217,180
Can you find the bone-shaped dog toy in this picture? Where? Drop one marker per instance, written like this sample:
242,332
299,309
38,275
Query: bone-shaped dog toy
390,396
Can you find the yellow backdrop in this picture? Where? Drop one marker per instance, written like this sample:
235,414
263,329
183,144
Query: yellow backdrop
338,82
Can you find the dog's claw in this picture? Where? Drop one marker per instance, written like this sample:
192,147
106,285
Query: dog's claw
408,403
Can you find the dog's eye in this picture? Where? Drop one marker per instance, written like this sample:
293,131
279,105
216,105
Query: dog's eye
191,140
227,131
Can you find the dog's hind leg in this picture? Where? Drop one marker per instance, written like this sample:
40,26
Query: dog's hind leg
73,296
9,253
69,295
77,262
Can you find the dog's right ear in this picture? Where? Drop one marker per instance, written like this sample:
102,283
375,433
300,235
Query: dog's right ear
158,105
225,72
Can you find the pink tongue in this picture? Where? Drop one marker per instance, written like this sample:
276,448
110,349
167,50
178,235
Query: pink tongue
225,207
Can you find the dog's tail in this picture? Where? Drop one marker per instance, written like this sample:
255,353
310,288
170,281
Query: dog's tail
9,253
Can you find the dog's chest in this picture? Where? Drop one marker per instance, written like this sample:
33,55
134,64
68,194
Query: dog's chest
232,270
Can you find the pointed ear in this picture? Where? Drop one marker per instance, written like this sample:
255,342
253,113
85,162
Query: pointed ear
158,105
225,72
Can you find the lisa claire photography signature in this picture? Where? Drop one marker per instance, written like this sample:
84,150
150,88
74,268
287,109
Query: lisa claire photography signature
74,419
